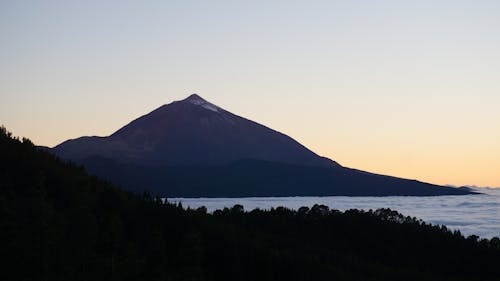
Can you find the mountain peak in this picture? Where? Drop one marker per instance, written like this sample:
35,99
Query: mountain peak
199,101
195,97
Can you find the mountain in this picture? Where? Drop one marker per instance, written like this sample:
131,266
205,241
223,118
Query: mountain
192,132
193,148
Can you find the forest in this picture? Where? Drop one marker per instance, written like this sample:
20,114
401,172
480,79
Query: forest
57,222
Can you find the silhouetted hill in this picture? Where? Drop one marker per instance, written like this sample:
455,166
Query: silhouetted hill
194,148
58,223
254,178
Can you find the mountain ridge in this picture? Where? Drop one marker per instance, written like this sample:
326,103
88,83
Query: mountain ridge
193,136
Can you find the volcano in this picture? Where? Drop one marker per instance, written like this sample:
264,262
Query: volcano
192,132
193,148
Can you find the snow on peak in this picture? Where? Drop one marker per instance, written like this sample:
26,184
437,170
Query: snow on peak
194,97
199,101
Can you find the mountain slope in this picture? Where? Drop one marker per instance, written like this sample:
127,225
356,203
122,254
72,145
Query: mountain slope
254,178
194,148
192,132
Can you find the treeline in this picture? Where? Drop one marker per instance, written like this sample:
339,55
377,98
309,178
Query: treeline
58,223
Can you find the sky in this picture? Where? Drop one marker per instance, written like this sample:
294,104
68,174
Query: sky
405,88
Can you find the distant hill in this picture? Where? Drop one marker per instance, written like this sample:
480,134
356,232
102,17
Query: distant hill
193,148
254,178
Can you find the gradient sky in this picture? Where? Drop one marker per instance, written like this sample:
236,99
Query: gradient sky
406,88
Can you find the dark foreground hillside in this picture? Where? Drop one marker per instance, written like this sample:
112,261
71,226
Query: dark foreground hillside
58,223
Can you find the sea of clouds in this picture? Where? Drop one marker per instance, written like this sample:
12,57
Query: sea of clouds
471,214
